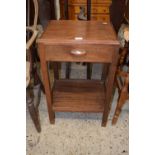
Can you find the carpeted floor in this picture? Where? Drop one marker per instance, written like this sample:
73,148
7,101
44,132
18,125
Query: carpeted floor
79,133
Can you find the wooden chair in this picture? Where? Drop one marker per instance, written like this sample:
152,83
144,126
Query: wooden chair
119,14
122,82
123,90
31,72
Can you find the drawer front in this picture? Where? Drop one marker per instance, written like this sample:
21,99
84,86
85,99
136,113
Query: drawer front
75,9
77,1
79,53
94,9
73,16
103,1
102,17
100,9
85,1
80,1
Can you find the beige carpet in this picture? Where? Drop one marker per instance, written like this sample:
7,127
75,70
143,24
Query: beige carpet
78,133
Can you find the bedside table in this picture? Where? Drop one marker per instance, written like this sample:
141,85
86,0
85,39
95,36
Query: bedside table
78,41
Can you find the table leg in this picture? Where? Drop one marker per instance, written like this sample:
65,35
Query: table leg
34,113
104,71
89,70
46,82
109,88
68,69
56,70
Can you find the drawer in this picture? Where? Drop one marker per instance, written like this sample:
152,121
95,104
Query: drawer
79,53
102,17
103,1
76,1
94,9
75,9
93,1
100,9
80,1
73,16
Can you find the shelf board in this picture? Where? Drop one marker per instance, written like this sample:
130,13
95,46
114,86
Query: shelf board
78,96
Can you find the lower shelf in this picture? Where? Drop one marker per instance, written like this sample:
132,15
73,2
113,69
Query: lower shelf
78,96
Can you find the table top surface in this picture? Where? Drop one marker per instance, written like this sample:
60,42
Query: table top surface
78,32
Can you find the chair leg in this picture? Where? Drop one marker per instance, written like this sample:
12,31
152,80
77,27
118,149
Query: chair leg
104,71
34,113
68,69
120,103
56,70
89,70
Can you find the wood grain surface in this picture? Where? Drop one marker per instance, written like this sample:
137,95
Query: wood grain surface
91,32
78,96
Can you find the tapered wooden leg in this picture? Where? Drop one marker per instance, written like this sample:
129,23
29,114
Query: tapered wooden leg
89,70
40,82
68,69
104,71
109,87
121,101
56,70
123,96
46,82
34,113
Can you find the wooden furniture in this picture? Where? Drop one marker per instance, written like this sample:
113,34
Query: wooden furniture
31,68
46,11
99,9
78,41
33,106
122,81
119,13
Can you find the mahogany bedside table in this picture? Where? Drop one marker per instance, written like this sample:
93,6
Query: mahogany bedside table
79,41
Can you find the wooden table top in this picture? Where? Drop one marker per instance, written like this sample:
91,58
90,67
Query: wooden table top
78,32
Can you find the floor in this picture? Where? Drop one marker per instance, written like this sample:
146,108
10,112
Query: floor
79,133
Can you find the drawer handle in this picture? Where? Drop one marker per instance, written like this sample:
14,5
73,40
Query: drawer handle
78,52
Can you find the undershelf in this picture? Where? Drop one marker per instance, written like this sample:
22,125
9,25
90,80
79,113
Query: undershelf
78,96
